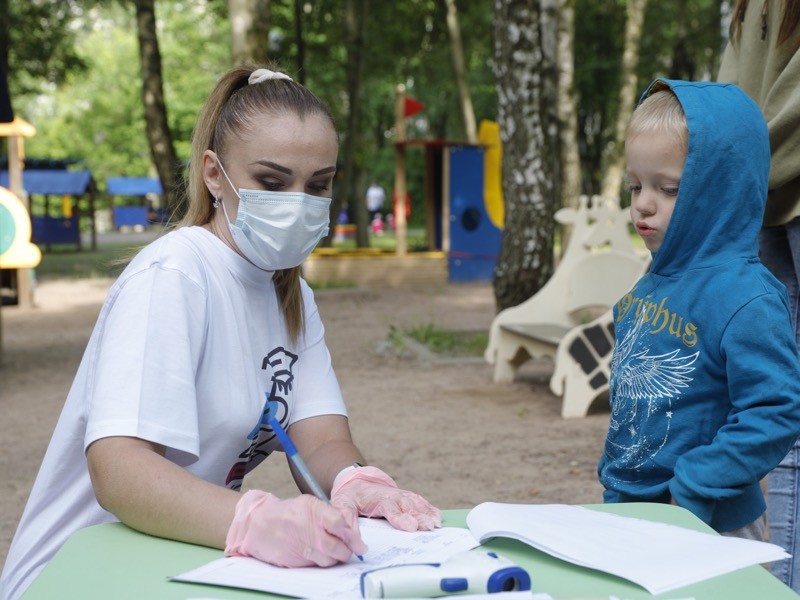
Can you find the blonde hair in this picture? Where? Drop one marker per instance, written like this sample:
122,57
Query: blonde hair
226,115
660,112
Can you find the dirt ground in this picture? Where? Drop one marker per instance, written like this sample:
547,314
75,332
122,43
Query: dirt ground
440,427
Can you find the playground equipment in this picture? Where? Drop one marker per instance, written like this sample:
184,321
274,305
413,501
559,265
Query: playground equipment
569,319
61,226
463,207
16,130
460,210
136,216
17,254
16,249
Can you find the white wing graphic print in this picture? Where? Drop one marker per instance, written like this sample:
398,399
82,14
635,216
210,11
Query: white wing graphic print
637,376
644,386
645,377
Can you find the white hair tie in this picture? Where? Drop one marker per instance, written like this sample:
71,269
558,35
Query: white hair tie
260,75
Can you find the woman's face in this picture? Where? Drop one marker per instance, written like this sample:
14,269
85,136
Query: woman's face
281,153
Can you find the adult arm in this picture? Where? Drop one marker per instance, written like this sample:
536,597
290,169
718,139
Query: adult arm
327,447
366,491
133,480
147,492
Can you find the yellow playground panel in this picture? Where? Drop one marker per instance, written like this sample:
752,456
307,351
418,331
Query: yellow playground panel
16,249
489,136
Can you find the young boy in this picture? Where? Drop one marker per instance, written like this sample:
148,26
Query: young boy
705,382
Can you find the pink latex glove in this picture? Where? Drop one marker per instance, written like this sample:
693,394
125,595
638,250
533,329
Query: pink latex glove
299,532
370,492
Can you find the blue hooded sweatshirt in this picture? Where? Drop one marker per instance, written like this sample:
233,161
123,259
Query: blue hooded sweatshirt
705,381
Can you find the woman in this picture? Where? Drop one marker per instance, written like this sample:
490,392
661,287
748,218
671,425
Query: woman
209,331
762,58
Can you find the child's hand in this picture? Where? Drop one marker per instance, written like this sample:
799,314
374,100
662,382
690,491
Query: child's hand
299,532
370,492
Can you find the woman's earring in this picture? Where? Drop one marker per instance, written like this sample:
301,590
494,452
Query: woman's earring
215,204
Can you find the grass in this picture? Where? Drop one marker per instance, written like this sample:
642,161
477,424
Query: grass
415,240
63,262
107,261
445,342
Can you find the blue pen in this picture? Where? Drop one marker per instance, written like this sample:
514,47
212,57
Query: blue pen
299,463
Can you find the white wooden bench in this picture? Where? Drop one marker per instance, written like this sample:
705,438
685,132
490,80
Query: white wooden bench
598,267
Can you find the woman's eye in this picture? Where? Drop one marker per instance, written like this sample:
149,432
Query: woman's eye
318,187
272,186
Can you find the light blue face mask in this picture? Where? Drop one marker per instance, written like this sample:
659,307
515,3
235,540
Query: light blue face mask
277,230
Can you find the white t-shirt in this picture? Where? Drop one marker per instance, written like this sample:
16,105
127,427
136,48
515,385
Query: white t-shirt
187,345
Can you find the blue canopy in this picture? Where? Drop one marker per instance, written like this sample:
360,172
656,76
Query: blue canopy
47,181
133,186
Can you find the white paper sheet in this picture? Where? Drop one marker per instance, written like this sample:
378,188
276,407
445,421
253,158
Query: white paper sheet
387,546
657,556
496,596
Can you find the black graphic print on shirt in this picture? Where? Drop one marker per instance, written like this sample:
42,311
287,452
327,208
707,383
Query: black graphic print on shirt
278,364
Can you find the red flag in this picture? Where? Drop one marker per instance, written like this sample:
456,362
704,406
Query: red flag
413,106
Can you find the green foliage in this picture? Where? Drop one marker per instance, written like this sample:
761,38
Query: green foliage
95,116
75,73
680,40
41,42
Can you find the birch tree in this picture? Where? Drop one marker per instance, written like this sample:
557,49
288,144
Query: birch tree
614,160
250,23
526,83
568,112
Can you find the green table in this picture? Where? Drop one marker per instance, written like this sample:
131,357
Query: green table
113,561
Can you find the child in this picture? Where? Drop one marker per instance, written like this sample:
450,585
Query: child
377,224
705,383
209,330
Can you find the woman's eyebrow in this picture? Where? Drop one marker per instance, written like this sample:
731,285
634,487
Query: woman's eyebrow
287,171
324,171
272,165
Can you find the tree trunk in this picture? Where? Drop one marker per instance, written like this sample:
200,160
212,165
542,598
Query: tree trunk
159,136
683,63
615,157
250,23
526,80
457,57
355,28
568,113
5,19
300,43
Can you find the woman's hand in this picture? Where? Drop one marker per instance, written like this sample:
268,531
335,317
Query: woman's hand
369,492
299,532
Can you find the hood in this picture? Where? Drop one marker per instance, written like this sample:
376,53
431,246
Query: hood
723,189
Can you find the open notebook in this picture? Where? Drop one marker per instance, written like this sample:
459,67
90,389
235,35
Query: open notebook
657,556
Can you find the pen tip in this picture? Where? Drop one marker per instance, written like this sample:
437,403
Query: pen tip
361,558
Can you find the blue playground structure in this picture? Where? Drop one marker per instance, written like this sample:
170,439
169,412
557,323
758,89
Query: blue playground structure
57,223
138,215
460,203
